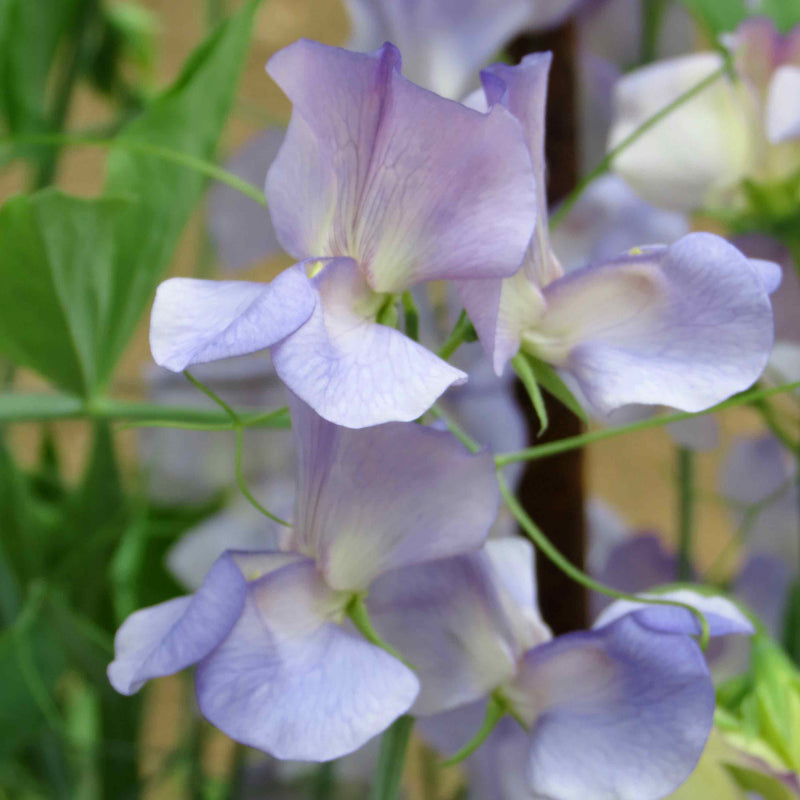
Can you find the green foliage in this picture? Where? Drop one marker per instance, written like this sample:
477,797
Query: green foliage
56,279
720,16
189,117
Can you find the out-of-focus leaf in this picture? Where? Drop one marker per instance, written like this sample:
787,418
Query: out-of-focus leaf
31,34
721,16
791,623
55,285
552,382
30,664
188,117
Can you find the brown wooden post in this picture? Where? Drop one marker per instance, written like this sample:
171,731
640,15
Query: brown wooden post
551,490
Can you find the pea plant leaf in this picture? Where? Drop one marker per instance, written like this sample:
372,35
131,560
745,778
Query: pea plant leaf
55,285
721,17
188,117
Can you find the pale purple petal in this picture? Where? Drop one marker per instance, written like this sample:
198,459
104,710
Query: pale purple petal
352,370
412,186
238,527
195,321
169,637
759,471
783,105
447,619
383,497
444,42
786,297
638,563
619,713
684,326
290,681
240,228
763,586
723,616
610,219
699,434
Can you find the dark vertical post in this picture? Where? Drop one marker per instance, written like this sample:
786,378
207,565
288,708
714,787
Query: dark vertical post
551,490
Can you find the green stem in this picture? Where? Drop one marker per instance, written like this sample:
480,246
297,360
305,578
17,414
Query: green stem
391,761
15,408
324,781
46,170
686,509
411,316
495,711
356,610
525,373
157,151
575,442
549,549
652,14
462,332
557,217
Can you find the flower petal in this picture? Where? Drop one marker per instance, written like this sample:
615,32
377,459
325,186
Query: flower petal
375,499
447,619
294,684
722,616
783,105
763,586
620,713
195,321
684,326
412,186
353,371
241,228
700,148
171,636
444,44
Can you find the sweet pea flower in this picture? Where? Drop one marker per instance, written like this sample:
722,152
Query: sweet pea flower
446,42
619,712
747,127
379,186
685,325
279,665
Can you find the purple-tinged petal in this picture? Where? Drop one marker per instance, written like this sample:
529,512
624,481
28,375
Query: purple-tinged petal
238,527
447,620
609,219
384,497
763,586
195,321
700,434
722,616
412,186
292,682
783,105
786,297
444,42
620,713
171,636
684,326
698,150
241,228
638,563
354,371
759,480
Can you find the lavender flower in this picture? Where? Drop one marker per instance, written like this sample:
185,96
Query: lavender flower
379,186
620,712
685,325
279,665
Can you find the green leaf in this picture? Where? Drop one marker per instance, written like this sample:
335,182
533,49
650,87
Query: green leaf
31,34
55,285
188,117
547,377
525,373
791,623
721,16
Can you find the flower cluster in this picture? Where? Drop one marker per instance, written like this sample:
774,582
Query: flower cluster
384,597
